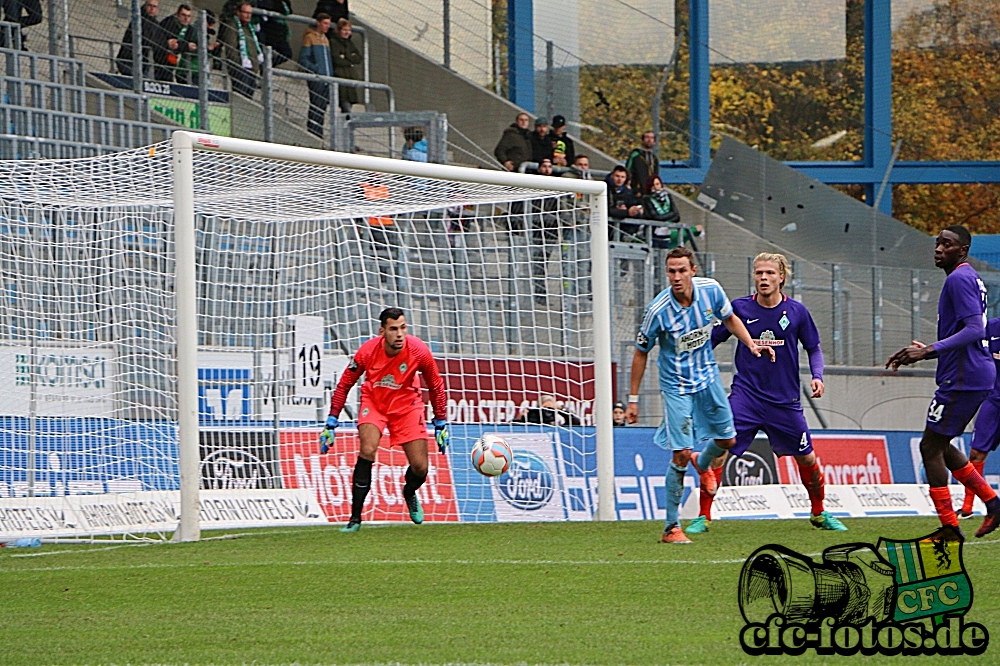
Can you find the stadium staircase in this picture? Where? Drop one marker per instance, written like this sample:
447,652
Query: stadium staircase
49,110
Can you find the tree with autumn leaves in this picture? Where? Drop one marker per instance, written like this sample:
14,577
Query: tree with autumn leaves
946,106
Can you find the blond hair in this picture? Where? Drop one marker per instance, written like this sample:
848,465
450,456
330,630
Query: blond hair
783,268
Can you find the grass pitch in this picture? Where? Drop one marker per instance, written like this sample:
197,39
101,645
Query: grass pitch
530,593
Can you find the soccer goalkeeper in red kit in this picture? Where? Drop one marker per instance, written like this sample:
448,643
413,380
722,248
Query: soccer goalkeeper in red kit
390,397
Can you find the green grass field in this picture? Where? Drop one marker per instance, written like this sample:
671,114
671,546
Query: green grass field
531,593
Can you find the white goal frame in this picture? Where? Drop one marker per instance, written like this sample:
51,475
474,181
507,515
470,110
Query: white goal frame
185,143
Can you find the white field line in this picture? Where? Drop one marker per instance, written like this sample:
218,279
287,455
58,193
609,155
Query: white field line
410,561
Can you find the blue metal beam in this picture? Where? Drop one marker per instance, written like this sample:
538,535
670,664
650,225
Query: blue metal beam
682,174
521,53
878,98
700,72
845,173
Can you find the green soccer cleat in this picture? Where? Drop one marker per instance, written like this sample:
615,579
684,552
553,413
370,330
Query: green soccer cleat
416,511
826,521
698,526
351,526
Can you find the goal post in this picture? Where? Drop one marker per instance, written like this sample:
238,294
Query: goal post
186,145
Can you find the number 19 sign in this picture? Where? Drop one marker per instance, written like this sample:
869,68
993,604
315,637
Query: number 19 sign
307,356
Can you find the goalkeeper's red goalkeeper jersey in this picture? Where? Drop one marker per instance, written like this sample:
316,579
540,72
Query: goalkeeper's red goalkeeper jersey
391,384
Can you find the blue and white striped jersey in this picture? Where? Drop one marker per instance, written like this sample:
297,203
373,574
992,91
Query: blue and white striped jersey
687,364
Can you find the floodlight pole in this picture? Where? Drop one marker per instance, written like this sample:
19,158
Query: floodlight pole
186,337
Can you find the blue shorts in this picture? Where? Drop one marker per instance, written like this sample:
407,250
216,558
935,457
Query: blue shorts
695,417
986,435
784,425
951,411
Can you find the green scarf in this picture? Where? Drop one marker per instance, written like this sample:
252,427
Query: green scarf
245,48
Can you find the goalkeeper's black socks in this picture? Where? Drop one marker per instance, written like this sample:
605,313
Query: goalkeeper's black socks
413,482
361,483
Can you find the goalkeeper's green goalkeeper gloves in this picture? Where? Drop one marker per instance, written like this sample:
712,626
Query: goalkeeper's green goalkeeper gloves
441,435
326,437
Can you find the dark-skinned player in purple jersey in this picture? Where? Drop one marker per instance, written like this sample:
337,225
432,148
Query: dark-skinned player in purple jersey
766,396
965,375
986,433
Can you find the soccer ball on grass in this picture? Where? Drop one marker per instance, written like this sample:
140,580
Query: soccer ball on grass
491,455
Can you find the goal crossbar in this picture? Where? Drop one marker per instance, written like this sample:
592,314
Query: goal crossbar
185,143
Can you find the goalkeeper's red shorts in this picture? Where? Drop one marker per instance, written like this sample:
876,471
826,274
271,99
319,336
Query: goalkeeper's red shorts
406,423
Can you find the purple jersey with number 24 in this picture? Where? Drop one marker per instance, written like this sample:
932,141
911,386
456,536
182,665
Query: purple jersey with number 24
968,368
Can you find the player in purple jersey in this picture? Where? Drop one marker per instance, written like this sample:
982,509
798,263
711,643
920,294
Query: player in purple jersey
986,434
766,397
965,375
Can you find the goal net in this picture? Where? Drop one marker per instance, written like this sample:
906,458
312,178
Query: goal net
173,321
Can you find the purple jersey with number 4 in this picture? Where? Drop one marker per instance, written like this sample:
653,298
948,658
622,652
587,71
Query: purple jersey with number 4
970,367
782,328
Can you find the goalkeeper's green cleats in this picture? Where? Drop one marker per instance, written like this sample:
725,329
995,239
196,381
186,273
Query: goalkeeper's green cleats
825,521
698,526
416,511
351,526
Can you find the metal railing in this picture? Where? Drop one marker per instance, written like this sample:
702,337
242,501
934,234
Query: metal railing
11,35
305,20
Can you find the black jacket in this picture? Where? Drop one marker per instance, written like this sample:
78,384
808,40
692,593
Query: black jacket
623,196
172,27
154,38
336,10
24,12
541,146
654,209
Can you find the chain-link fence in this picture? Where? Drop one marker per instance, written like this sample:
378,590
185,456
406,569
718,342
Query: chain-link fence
863,313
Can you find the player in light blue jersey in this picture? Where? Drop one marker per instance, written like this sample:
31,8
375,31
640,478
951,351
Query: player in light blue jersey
695,407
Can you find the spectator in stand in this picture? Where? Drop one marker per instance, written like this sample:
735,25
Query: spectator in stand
563,149
274,32
345,56
415,148
659,205
622,203
545,167
621,200
315,56
643,163
618,419
337,9
25,13
515,144
548,412
178,26
190,69
580,169
156,42
242,49
541,144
